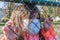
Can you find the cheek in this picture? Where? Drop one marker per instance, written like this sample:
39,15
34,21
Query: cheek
25,23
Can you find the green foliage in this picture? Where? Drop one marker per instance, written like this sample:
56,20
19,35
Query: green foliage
1,32
2,24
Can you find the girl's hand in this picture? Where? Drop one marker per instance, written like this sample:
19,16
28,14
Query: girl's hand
7,32
9,23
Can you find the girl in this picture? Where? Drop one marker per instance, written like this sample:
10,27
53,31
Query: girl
48,30
33,33
20,24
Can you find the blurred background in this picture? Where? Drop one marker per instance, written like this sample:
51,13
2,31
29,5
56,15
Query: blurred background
6,9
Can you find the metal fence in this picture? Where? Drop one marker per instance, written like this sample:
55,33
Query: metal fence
20,12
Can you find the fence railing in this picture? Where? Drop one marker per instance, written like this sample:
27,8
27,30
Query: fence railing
40,2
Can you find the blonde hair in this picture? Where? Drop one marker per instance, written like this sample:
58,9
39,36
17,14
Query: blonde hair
21,13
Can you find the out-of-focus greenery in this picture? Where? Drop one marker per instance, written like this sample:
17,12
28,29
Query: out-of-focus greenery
2,24
6,18
1,32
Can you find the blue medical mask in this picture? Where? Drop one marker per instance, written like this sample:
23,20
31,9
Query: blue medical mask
34,26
